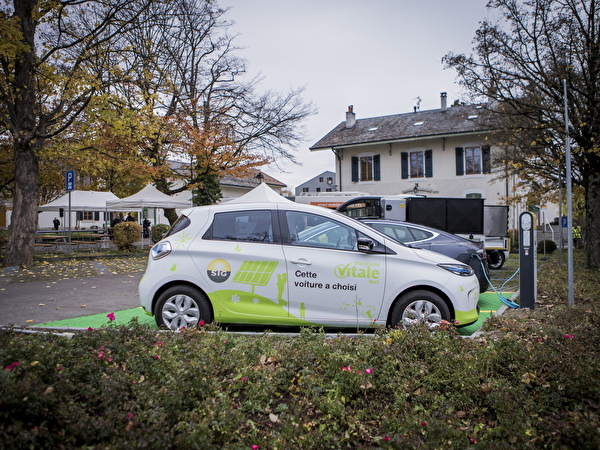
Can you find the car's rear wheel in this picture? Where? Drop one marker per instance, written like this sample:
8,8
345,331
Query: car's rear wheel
182,306
420,307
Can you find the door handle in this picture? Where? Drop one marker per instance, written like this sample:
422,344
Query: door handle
301,261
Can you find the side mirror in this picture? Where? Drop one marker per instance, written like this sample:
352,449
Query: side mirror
365,245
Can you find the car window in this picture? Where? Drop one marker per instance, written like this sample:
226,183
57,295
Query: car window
398,232
312,230
420,235
246,226
181,223
363,208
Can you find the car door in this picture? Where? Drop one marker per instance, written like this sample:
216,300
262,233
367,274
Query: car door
330,282
242,256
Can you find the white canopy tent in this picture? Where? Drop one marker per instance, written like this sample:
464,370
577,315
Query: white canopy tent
81,201
149,197
261,194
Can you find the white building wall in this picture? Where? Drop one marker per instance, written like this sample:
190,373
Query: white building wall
443,183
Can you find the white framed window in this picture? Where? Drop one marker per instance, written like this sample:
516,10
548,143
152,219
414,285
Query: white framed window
473,160
417,164
366,168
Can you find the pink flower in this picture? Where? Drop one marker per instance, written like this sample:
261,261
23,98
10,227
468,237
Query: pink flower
358,372
58,368
160,343
12,366
156,357
89,328
473,441
111,316
423,424
254,447
128,416
368,371
201,323
100,355
569,336
243,379
386,438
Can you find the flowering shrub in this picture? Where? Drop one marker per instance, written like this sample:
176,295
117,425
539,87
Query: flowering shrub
131,386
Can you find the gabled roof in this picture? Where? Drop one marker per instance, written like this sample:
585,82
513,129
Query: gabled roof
421,124
251,180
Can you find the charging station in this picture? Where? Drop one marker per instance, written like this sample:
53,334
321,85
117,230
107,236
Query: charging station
527,260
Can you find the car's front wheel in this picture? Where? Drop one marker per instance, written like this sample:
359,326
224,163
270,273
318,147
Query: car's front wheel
182,306
495,259
420,307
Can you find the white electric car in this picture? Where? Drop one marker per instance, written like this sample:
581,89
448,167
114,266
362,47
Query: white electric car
262,259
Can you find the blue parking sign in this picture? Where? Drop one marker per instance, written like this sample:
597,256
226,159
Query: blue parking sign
70,181
564,221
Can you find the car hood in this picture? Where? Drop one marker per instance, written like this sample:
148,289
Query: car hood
433,257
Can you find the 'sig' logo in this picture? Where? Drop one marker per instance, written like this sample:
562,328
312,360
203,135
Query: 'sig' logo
218,270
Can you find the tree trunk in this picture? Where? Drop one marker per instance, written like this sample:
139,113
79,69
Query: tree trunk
592,225
23,223
171,215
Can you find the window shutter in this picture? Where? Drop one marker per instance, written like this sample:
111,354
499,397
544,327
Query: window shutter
79,215
96,215
404,161
485,152
460,163
376,168
355,169
429,163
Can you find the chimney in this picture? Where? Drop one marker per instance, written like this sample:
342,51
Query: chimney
350,117
443,98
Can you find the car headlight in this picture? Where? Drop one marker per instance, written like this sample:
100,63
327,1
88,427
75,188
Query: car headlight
458,269
160,250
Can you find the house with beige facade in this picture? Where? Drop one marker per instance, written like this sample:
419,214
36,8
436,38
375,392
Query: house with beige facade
444,152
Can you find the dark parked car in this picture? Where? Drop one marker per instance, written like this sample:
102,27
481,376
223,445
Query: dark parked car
419,236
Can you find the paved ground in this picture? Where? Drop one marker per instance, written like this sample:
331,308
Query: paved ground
26,304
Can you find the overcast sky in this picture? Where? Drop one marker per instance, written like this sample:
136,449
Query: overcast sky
378,55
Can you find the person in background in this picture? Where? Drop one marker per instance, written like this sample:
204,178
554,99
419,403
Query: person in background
146,228
129,218
115,221
56,223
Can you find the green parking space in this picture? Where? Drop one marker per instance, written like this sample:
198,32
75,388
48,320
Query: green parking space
489,303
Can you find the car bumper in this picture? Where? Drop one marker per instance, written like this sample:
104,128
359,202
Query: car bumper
464,318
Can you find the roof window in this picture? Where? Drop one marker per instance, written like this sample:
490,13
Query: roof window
416,124
373,129
473,117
